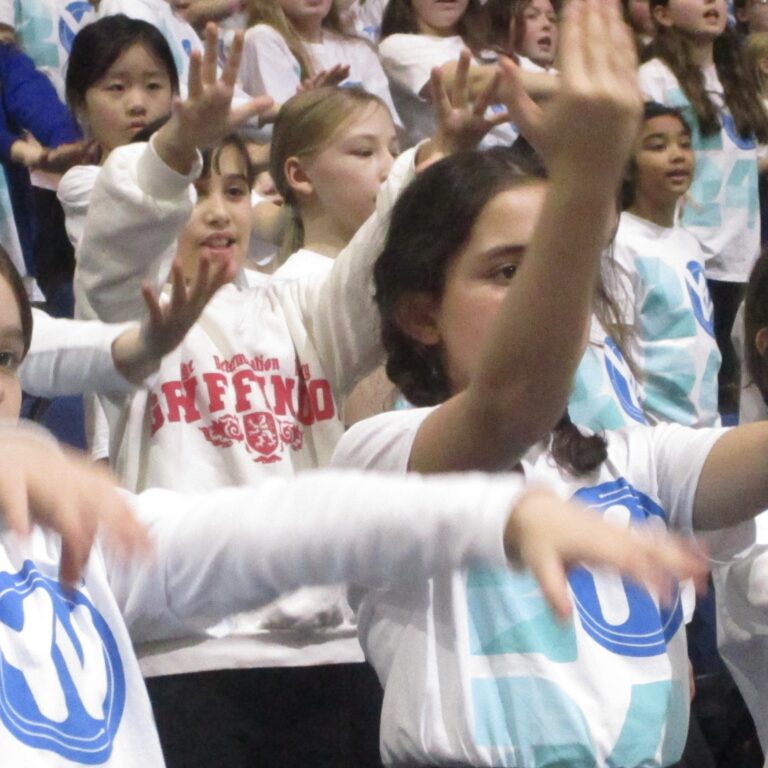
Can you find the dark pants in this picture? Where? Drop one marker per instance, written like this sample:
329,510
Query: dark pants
326,717
726,298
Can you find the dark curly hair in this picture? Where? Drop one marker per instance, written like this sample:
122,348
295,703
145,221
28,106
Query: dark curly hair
430,223
755,318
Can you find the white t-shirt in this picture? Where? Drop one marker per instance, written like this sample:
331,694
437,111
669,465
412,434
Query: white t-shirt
45,30
72,692
665,299
408,61
366,16
475,667
269,67
723,210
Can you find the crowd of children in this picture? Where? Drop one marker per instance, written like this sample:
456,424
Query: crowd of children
314,244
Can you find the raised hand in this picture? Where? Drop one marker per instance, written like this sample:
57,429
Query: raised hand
206,116
592,122
43,484
137,353
461,123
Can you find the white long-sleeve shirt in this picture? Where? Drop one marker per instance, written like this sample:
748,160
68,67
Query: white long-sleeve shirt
71,691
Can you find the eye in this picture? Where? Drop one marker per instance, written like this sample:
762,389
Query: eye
505,272
236,191
155,86
360,152
115,87
9,361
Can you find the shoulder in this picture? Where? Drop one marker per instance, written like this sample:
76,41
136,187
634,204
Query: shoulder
382,442
76,184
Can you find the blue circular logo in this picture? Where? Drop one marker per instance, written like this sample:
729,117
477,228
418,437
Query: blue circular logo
617,613
62,683
622,381
698,292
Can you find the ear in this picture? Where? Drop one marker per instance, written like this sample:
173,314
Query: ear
661,15
296,177
761,341
417,316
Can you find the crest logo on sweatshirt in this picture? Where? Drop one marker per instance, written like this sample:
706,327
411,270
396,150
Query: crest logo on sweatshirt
246,402
62,684
696,283
71,20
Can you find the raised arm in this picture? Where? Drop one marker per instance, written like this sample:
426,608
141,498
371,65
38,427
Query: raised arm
524,376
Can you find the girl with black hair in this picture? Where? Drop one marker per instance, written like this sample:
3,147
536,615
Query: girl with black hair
487,326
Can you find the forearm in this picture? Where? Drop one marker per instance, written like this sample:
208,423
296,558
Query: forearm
200,12
238,549
71,357
538,85
733,485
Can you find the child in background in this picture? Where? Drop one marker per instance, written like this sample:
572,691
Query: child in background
698,67
661,267
72,689
751,16
45,29
332,149
637,14
611,687
32,121
291,41
121,78
420,36
527,29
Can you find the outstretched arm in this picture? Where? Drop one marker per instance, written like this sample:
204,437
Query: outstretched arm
523,379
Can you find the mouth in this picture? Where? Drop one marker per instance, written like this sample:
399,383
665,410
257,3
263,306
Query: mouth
544,42
137,125
712,15
679,176
220,244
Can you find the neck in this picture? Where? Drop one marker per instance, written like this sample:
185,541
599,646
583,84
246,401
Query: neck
426,29
322,235
662,214
702,51
310,29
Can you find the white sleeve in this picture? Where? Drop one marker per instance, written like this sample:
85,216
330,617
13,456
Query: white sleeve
138,207
71,357
377,83
268,66
239,548
653,77
620,276
341,313
679,454
409,59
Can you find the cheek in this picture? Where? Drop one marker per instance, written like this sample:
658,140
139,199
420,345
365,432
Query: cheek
10,396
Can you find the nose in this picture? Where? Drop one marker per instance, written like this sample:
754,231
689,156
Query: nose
136,102
215,214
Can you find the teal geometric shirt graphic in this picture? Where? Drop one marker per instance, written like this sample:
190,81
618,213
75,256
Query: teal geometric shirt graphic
62,684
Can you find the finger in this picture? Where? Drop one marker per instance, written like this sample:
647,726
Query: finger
178,286
488,95
573,69
154,311
549,572
77,525
195,81
442,104
460,90
14,505
234,57
242,113
210,56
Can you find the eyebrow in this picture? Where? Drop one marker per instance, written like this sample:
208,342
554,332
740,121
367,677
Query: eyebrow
502,251
11,333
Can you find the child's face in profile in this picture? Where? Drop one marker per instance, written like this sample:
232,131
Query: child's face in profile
220,224
664,161
11,352
539,38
